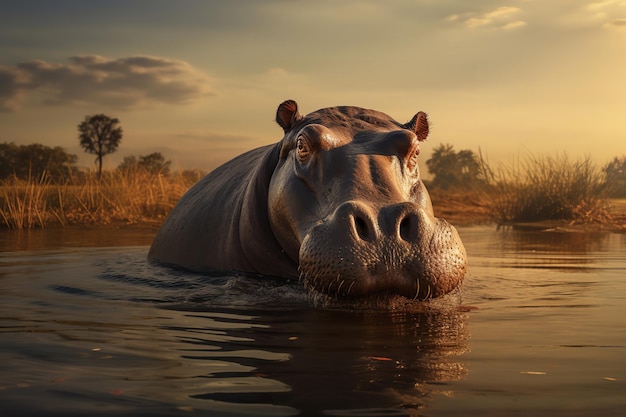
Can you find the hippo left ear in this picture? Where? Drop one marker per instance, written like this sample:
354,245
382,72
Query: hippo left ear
419,125
287,115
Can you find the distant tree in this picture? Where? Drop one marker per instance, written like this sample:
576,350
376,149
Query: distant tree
100,135
8,159
33,160
451,168
128,163
615,176
191,176
154,163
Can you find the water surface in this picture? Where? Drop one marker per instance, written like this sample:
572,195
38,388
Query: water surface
89,327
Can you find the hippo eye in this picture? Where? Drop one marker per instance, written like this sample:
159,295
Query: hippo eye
303,149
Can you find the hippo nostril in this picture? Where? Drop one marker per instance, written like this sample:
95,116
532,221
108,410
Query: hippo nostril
361,228
408,227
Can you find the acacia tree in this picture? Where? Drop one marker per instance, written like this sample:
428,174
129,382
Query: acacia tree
100,135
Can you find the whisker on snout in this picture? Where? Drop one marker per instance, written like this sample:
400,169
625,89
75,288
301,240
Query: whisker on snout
350,287
417,291
339,288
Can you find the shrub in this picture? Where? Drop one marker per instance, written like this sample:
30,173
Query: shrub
549,188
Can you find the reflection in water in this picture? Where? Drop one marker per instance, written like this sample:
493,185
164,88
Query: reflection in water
363,360
511,247
547,336
57,237
516,240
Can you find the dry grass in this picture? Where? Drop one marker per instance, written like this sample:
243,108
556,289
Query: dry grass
548,188
129,197
24,203
547,191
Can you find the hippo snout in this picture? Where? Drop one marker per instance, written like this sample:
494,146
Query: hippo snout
398,222
398,249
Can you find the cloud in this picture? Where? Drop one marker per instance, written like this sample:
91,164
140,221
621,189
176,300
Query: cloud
605,3
85,80
501,12
196,136
609,11
10,93
513,25
617,23
499,18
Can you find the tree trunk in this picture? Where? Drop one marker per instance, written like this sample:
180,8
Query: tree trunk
99,159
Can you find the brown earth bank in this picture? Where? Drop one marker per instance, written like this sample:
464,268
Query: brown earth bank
461,208
470,208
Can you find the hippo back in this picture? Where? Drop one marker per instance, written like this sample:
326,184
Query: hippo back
221,222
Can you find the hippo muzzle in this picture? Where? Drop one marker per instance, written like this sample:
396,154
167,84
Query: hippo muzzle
397,250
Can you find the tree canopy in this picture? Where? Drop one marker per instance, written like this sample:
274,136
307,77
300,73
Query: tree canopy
31,161
452,169
154,163
100,135
615,172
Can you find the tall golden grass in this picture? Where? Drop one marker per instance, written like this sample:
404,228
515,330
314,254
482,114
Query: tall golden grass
24,203
129,196
547,188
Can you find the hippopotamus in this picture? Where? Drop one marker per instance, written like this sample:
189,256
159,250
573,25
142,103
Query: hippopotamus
338,202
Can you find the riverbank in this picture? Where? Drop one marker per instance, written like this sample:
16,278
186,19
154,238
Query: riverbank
475,208
140,199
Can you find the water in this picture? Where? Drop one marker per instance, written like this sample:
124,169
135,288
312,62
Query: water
88,327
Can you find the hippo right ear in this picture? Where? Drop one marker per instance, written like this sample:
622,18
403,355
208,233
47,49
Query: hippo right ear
419,125
287,115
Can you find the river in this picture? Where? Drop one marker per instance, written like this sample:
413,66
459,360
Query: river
89,327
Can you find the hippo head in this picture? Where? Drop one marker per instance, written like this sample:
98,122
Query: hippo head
346,203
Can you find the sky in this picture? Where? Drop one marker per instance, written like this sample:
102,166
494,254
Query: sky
200,81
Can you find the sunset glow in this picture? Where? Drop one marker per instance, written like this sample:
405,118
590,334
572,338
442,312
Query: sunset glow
199,81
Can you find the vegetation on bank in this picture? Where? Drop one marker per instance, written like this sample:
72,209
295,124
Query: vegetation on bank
41,186
465,188
549,188
124,196
536,189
